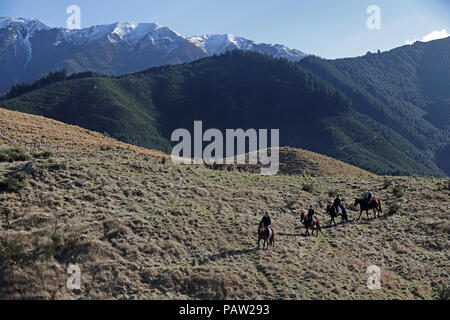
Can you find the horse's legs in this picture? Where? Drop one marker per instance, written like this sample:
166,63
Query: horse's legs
367,214
360,213
259,239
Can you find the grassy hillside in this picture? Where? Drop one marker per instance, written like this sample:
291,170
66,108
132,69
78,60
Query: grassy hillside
235,90
141,227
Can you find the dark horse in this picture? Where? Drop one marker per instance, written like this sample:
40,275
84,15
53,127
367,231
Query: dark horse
314,225
333,212
364,206
264,234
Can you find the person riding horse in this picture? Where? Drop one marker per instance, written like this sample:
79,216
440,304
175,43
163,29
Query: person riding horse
369,202
310,221
310,215
338,204
265,231
266,222
368,197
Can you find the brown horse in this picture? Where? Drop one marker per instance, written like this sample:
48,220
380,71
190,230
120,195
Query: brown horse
314,225
264,234
332,211
364,206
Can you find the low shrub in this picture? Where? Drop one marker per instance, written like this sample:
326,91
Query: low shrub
444,292
387,183
13,250
13,154
308,187
394,208
43,155
398,192
332,193
13,182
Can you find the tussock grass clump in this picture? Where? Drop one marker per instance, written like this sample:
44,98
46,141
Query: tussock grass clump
13,182
308,187
13,250
13,154
43,155
394,207
387,183
332,193
396,203
444,292
398,192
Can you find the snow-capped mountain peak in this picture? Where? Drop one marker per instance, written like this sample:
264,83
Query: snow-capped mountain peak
30,49
132,34
213,44
30,24
127,33
217,44
21,31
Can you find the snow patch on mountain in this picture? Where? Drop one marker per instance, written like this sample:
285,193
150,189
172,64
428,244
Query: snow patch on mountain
124,33
213,44
217,44
30,24
135,35
23,30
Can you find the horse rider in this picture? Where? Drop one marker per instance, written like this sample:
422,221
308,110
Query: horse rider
266,222
337,203
310,215
368,197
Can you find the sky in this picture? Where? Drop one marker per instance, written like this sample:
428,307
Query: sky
327,28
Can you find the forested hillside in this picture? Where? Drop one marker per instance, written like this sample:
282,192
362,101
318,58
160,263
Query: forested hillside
407,89
235,90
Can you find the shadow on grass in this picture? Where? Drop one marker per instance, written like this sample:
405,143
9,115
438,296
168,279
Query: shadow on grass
226,254
290,234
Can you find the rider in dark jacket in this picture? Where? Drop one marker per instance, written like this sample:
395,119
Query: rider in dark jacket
266,221
310,215
338,204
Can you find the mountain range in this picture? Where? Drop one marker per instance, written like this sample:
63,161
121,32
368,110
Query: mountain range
386,112
29,49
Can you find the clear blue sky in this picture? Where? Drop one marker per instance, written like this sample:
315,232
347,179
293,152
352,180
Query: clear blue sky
328,28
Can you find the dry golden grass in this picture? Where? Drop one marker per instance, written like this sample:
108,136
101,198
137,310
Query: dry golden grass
143,229
20,128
